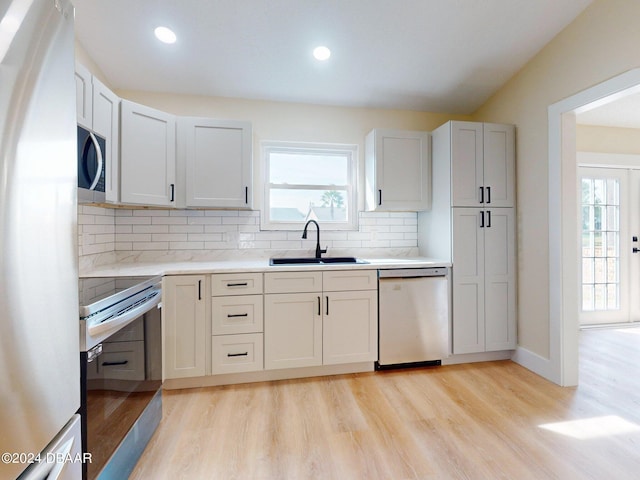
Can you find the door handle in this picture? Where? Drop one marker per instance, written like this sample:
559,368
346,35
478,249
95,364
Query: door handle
112,364
173,191
488,194
379,197
319,307
488,218
481,219
481,194
636,250
96,146
327,297
199,289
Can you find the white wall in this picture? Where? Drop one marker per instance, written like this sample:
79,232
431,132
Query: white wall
598,45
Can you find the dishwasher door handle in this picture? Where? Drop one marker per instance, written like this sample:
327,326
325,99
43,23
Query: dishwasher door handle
413,272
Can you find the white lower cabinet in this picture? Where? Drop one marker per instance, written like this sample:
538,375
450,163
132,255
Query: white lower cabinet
275,320
183,324
236,323
350,327
236,353
337,323
484,296
293,330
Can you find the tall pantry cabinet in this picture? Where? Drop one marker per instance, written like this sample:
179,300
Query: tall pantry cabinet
472,223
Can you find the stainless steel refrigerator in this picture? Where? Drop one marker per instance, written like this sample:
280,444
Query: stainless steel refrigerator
39,330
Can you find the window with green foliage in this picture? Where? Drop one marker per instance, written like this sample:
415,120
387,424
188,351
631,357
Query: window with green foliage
309,182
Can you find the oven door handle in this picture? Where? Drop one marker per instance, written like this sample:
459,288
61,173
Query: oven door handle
125,317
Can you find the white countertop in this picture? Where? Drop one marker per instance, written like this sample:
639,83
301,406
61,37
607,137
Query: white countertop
127,269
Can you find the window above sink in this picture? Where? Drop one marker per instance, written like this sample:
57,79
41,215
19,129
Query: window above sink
309,182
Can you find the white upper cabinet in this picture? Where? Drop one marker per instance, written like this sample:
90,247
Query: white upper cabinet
84,100
398,170
97,109
148,155
215,156
482,165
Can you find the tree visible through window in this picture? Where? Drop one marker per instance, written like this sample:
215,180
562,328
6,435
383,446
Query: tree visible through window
309,182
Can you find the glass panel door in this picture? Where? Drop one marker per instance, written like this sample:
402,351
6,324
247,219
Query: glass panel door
604,233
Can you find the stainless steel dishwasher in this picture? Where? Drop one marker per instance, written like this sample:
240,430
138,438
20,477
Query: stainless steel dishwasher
413,317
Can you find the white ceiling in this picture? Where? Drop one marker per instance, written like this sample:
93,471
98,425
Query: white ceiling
622,113
428,55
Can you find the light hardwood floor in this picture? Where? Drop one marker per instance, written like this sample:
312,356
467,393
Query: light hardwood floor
492,420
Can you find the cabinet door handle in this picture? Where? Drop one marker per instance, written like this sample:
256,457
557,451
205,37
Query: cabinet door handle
488,219
379,197
234,315
481,219
173,192
111,364
246,195
488,194
244,354
199,289
481,194
243,284
327,297
319,307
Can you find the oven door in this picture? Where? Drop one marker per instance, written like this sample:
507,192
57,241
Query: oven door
97,328
121,377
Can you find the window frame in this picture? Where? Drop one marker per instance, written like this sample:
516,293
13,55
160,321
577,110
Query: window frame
351,188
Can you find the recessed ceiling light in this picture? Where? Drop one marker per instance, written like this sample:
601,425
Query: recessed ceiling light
165,35
321,53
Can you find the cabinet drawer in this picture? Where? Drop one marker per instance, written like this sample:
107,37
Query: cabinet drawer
236,353
120,361
339,281
237,314
292,282
236,284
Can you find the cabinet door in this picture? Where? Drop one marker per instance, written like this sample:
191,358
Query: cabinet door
106,114
84,105
217,161
468,281
147,155
292,330
499,165
466,164
401,164
350,327
184,319
499,274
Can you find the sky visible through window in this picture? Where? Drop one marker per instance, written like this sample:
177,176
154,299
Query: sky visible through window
307,170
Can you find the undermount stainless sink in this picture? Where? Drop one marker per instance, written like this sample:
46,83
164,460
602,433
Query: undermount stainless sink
313,260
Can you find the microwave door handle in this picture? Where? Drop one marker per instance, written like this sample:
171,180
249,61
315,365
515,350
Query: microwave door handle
96,145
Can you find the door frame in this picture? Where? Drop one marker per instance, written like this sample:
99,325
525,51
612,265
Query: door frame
562,364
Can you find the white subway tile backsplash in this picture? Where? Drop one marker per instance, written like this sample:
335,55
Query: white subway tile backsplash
168,220
103,230
150,229
186,228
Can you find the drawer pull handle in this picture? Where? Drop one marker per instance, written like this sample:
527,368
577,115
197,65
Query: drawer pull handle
111,364
233,315
237,354
244,284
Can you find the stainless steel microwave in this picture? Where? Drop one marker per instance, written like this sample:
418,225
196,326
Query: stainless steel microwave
91,167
